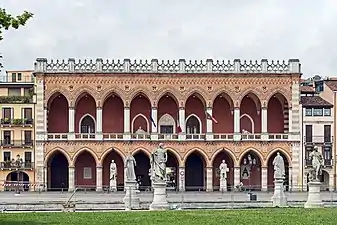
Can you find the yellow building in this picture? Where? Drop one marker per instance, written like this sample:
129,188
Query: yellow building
17,130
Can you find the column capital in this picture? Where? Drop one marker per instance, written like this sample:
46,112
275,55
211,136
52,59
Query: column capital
209,108
236,108
126,107
264,108
181,108
154,108
98,108
99,167
71,108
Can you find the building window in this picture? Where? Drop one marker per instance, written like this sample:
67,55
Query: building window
28,159
14,91
318,112
165,129
27,92
28,114
7,137
7,115
13,77
7,156
308,111
327,112
19,76
28,137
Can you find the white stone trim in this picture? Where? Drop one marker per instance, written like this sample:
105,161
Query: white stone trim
251,120
80,121
189,116
147,122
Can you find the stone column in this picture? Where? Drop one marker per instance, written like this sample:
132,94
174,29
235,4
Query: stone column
209,125
99,178
45,123
182,119
127,133
71,178
264,123
99,122
154,127
236,175
209,179
237,131
71,129
264,179
181,177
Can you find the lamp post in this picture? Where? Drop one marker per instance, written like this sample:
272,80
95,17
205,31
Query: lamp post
18,165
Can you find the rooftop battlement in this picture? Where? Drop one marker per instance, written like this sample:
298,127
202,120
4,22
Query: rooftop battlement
42,65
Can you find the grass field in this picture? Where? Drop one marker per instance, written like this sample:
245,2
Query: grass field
204,217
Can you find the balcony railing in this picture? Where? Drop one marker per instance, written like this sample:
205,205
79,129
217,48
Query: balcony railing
16,143
17,122
9,165
16,99
317,139
147,136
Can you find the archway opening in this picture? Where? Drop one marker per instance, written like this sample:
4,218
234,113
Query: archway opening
167,114
87,125
140,124
17,180
85,171
270,169
193,125
325,181
223,107
57,172
140,105
250,171
251,106
142,170
196,105
113,155
277,114
113,114
223,155
85,108
58,114
195,172
172,171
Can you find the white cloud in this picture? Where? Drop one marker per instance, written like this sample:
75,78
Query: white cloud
193,29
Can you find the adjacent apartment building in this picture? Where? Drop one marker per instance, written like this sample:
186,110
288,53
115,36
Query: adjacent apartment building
17,130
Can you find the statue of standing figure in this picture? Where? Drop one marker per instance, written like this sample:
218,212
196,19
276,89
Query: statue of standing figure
130,168
113,170
158,164
317,164
278,163
223,170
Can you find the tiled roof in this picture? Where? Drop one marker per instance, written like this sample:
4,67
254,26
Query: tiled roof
307,89
314,101
332,84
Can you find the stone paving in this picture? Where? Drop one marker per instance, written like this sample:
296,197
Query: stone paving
93,197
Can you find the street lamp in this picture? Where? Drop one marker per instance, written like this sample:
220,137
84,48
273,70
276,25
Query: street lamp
18,166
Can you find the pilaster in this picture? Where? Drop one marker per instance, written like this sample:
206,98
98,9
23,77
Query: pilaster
71,128
99,178
71,181
182,124
181,178
237,131
154,126
264,179
127,133
99,125
209,179
236,175
209,125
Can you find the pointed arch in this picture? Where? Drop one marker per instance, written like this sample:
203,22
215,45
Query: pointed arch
141,149
199,120
251,120
107,151
226,150
201,95
167,119
253,94
147,122
140,91
171,92
80,121
282,151
225,95
53,94
176,154
85,149
51,153
255,151
110,92
278,92
199,151
82,91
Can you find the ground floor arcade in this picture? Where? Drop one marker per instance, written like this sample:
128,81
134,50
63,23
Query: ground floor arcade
13,180
192,169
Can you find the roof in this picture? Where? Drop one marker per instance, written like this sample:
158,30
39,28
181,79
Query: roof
307,89
314,101
332,84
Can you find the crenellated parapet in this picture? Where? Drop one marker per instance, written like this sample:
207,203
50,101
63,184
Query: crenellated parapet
42,65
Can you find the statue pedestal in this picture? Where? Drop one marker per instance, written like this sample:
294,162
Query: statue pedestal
223,185
279,199
159,196
314,195
113,185
131,200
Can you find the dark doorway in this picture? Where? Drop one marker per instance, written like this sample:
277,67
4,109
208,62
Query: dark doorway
58,173
15,180
172,169
271,172
142,171
195,172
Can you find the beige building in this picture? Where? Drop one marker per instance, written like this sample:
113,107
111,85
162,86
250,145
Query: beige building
17,129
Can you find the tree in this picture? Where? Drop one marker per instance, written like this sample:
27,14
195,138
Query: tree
8,21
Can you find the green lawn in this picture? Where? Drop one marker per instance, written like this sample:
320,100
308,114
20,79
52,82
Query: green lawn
202,217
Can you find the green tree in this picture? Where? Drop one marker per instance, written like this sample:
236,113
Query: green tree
8,21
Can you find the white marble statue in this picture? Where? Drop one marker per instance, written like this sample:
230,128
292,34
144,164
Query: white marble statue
223,170
113,170
158,164
317,164
279,169
130,168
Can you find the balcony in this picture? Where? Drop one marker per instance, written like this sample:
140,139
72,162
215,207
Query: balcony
16,99
314,140
12,165
17,122
16,143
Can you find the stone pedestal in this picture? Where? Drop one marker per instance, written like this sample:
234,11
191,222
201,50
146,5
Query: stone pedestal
223,185
159,196
131,200
113,185
279,199
314,195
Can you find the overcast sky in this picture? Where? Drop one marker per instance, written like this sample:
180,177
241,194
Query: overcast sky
173,29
